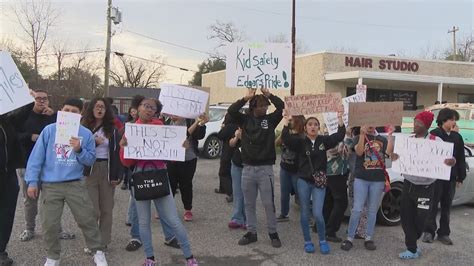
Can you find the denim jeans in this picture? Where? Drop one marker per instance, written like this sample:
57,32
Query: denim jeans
133,219
372,192
305,192
238,208
166,208
287,183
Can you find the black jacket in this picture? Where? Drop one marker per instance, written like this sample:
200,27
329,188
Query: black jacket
194,138
10,152
317,152
258,133
458,171
116,169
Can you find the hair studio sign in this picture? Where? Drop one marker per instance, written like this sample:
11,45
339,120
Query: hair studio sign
382,64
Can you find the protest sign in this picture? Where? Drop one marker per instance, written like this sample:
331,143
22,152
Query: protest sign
422,157
331,120
375,114
361,88
155,142
309,104
265,65
183,101
67,126
14,92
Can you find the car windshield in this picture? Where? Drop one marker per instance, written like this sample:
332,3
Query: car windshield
463,113
216,114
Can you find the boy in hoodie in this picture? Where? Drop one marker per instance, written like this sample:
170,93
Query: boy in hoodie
444,190
58,170
258,158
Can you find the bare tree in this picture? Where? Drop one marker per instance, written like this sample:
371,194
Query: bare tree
283,38
59,50
36,18
138,74
224,33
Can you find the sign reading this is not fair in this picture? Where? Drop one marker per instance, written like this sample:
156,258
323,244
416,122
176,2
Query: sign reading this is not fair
155,142
422,157
375,114
14,92
183,101
309,104
263,65
67,126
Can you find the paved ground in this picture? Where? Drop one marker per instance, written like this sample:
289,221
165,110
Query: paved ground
214,244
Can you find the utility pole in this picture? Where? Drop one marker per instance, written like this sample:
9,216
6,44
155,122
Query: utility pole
453,31
107,48
293,52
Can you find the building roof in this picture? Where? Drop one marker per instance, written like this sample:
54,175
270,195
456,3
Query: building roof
126,92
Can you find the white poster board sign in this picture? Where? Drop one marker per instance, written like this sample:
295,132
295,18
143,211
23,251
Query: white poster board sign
14,92
67,126
183,101
155,142
330,119
261,65
422,157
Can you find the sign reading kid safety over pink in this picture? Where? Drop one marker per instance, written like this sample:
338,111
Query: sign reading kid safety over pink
67,126
260,65
14,92
310,104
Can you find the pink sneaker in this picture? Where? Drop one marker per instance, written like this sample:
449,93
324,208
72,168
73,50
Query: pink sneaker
192,262
149,262
188,216
235,225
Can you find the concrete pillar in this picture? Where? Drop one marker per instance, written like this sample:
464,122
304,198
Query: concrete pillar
440,92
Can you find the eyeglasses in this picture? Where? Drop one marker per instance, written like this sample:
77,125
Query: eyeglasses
147,106
99,107
41,99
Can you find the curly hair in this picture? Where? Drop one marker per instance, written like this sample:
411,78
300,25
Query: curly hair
88,120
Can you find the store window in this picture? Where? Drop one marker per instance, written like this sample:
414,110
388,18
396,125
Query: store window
465,98
381,95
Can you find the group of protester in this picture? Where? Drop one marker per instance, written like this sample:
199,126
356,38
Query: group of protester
318,168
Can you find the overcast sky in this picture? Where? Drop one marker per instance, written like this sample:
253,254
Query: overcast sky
379,27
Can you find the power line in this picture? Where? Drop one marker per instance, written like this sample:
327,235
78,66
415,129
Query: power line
120,54
74,52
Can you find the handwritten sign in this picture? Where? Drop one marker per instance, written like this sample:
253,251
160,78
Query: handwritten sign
331,120
308,104
183,101
423,157
265,65
155,142
67,126
14,92
375,114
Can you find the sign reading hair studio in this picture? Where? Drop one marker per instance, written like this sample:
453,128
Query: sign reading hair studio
382,64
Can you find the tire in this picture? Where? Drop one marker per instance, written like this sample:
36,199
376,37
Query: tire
389,211
212,147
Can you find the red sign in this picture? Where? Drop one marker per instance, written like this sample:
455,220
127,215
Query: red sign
383,64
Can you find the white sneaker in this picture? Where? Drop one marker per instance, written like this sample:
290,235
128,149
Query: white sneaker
99,258
50,262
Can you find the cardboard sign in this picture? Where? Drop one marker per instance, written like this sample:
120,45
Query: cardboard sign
375,114
183,101
309,104
423,157
155,142
14,92
263,65
331,120
67,126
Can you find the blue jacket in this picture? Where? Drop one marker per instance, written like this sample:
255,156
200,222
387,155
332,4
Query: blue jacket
54,163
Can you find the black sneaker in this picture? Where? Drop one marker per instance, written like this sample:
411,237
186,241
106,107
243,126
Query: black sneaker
370,245
173,243
445,240
276,243
334,239
133,245
427,237
283,218
346,245
248,238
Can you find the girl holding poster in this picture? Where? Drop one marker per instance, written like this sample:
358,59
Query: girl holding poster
312,166
166,207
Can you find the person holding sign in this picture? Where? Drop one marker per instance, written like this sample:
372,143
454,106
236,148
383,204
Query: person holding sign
57,170
369,182
107,170
148,109
182,173
10,157
444,190
258,158
312,181
418,192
